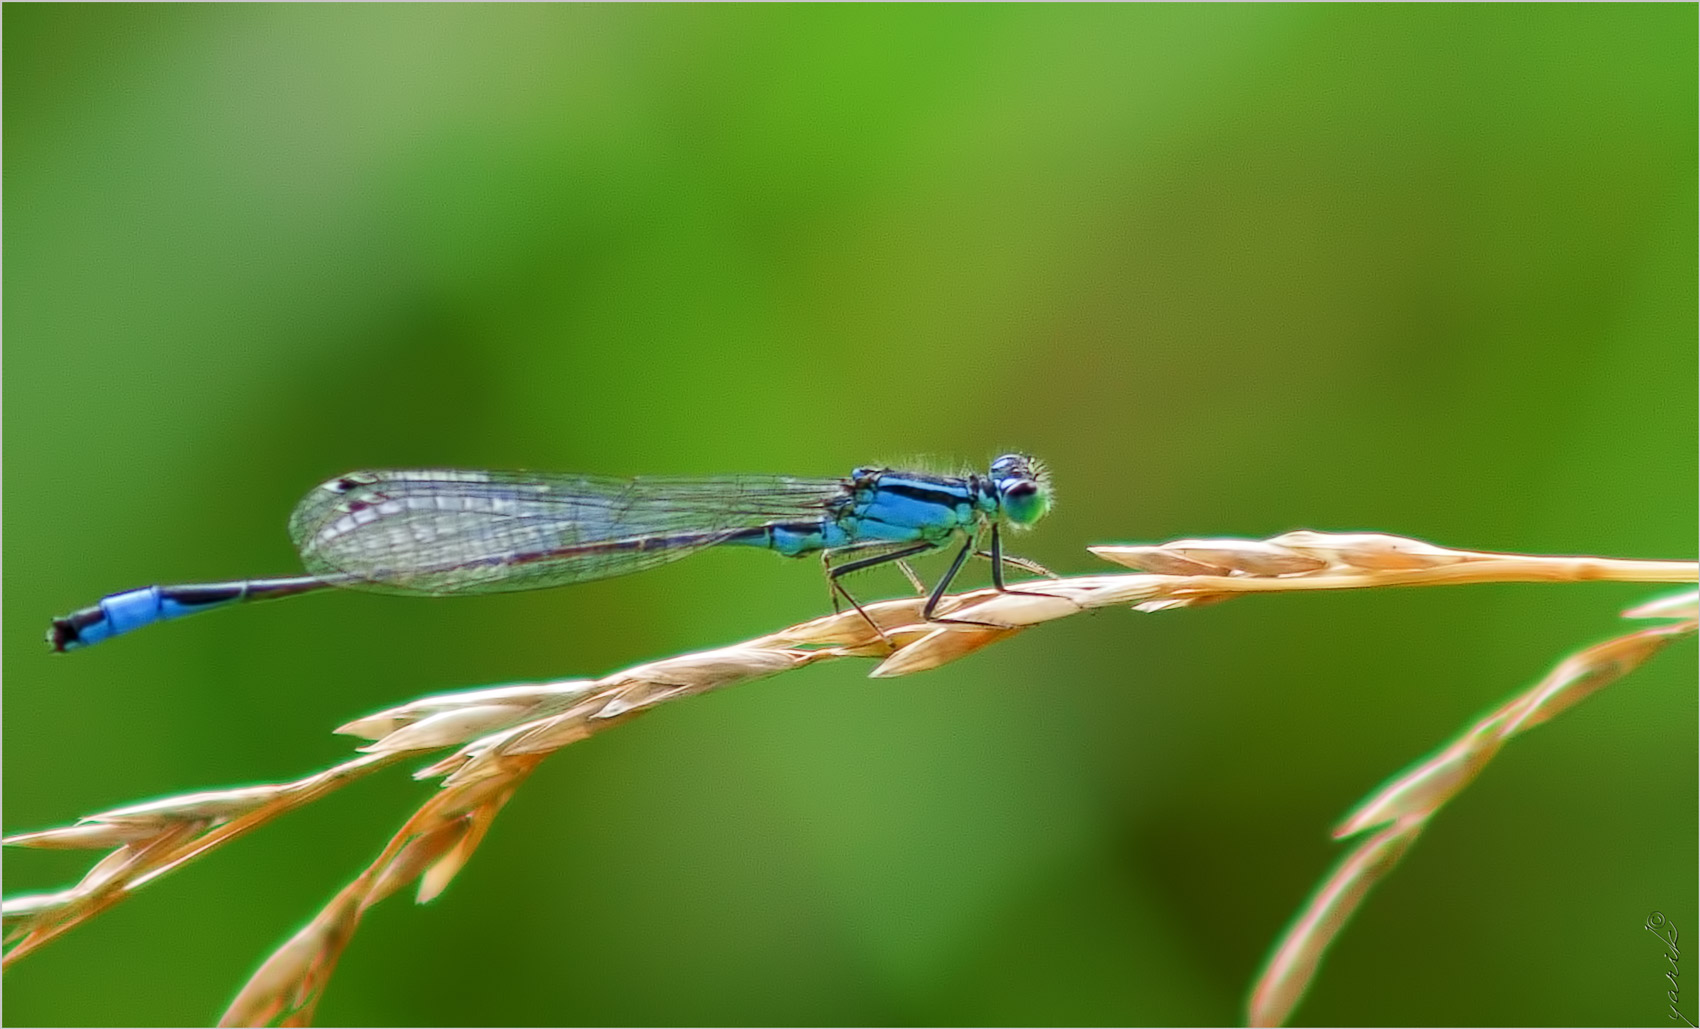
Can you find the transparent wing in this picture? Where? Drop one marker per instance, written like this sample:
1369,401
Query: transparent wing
440,532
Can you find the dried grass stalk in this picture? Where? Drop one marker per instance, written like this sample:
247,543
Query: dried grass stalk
503,733
1405,805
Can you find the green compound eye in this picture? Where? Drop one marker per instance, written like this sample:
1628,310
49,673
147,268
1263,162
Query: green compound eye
1024,489
1024,501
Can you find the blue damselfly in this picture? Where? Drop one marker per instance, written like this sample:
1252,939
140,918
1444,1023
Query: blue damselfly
442,533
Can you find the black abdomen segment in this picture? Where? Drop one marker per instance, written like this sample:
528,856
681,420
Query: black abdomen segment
120,613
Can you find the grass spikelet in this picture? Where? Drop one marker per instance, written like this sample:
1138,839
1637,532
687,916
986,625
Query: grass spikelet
1684,605
525,699
1294,963
157,837
286,989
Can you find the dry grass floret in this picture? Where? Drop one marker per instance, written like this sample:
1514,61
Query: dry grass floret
502,734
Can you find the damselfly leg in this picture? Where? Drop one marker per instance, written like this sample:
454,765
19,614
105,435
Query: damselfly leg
997,558
834,573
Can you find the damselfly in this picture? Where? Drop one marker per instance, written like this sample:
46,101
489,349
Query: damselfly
441,533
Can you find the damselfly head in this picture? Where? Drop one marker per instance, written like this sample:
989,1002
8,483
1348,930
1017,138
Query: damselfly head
1024,489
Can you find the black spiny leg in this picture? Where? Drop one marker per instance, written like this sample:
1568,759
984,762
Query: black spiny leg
833,574
998,557
831,586
873,550
1021,562
944,583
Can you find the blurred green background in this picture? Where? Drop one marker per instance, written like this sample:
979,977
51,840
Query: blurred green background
1229,270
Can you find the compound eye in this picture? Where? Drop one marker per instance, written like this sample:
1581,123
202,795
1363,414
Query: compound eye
1021,489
